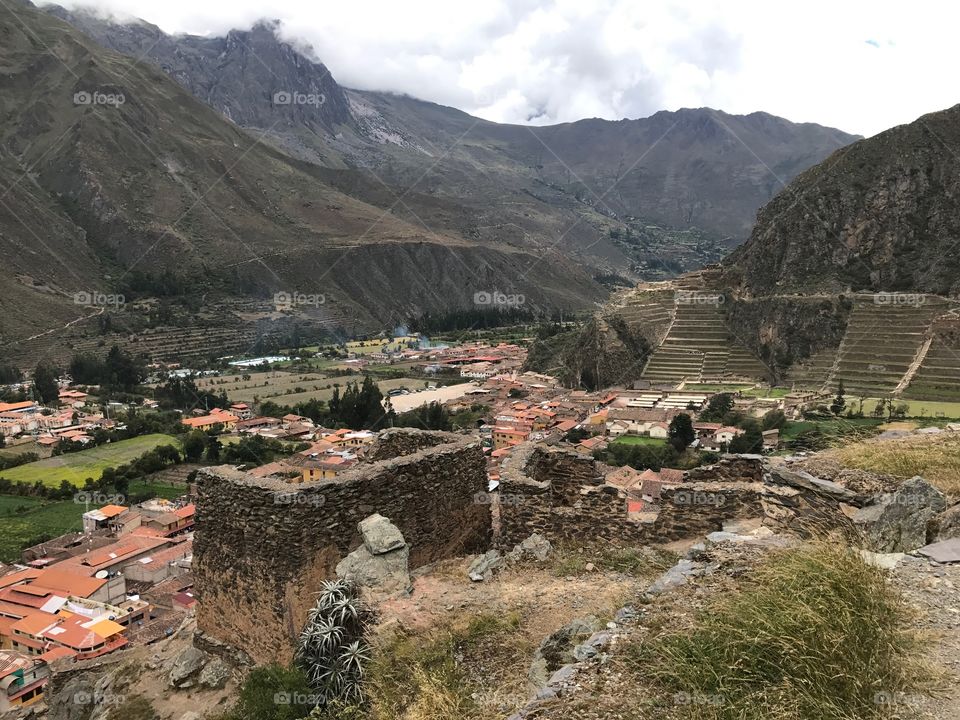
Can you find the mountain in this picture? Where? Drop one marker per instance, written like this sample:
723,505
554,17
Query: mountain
882,214
116,181
645,198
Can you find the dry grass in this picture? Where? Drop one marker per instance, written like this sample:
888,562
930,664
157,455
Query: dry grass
813,633
935,457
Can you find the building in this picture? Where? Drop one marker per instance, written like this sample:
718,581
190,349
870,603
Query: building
217,417
22,680
241,410
100,519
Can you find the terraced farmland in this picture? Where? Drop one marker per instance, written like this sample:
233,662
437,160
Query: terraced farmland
700,347
649,312
881,343
938,378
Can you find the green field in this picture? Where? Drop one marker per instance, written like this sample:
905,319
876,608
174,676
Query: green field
76,467
918,408
639,440
25,521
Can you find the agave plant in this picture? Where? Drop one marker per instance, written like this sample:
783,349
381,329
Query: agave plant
331,650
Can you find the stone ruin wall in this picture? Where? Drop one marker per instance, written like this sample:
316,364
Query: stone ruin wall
263,546
561,494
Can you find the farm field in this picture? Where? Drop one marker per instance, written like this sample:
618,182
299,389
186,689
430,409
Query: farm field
24,520
78,466
327,392
918,408
639,440
263,384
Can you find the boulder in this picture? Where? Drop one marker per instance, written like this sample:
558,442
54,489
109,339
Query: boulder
946,525
898,522
380,535
483,566
185,666
214,674
384,574
536,547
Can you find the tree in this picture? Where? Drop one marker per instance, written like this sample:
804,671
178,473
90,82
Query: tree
774,420
750,440
878,409
717,407
681,432
45,383
193,445
839,402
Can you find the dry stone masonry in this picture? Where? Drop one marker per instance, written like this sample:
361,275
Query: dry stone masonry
263,545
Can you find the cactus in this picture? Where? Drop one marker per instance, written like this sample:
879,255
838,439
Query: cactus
331,650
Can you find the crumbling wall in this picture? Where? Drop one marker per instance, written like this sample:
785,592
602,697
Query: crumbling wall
561,494
263,546
398,442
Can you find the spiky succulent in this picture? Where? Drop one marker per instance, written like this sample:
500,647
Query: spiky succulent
331,650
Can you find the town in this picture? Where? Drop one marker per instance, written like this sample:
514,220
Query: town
116,479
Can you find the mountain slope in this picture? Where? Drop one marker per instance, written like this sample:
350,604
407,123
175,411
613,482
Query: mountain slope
112,174
645,198
882,214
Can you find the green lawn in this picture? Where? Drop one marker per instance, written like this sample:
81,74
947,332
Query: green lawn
76,467
638,440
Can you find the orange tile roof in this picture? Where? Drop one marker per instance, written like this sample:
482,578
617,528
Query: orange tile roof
186,511
112,510
57,653
35,623
68,582
18,577
7,407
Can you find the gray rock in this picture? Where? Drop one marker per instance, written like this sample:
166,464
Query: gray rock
563,676
676,576
380,535
897,522
536,547
185,666
945,551
557,649
383,574
482,567
584,652
215,674
947,524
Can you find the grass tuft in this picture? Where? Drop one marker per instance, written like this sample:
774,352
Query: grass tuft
815,633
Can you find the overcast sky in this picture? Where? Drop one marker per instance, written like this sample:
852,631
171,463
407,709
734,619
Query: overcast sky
858,66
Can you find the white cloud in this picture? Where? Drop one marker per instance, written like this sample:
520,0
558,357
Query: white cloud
858,66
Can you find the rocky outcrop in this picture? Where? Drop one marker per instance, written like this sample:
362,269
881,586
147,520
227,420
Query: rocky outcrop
878,215
900,521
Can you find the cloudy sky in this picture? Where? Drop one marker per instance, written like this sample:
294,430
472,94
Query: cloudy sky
859,66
